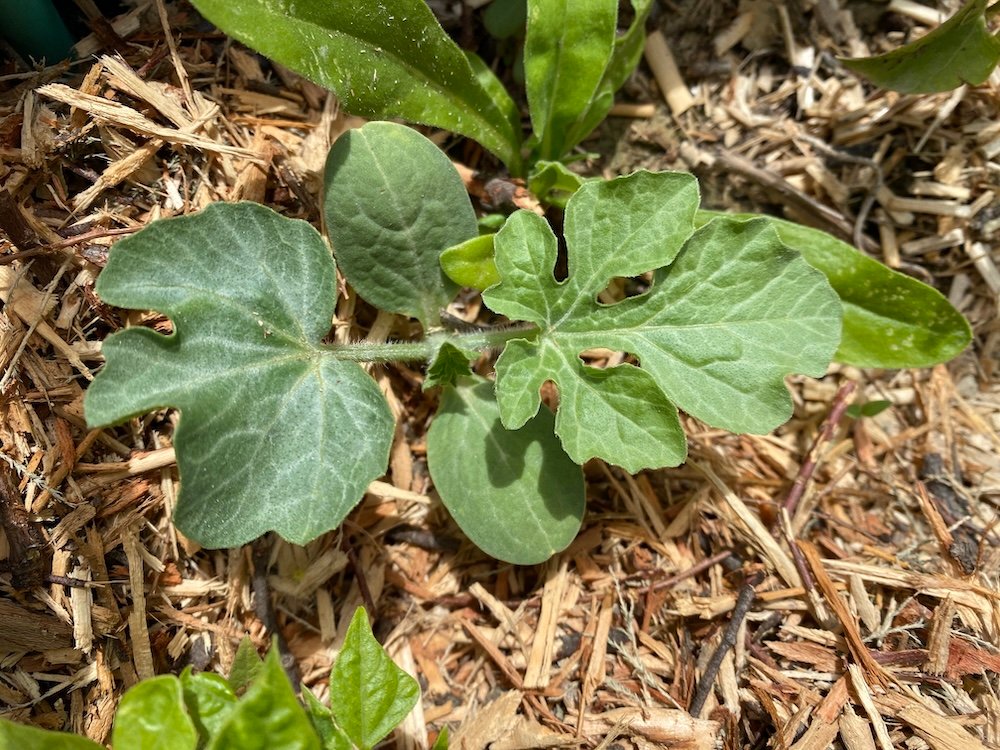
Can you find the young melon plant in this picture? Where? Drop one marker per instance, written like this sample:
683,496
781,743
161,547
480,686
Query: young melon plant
255,709
282,431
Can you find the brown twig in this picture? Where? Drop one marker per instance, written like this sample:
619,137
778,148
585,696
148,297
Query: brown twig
264,608
743,602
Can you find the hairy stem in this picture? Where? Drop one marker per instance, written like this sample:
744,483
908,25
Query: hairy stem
424,349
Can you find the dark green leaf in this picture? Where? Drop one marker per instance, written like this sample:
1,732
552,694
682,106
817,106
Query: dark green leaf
961,50
448,366
246,665
369,694
276,432
268,716
152,716
393,202
890,319
515,493
505,18
384,60
566,51
869,409
553,182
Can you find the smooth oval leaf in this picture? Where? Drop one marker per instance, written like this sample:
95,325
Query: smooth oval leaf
23,737
276,432
733,314
269,716
890,319
369,694
393,201
961,50
152,716
470,263
515,493
566,49
384,60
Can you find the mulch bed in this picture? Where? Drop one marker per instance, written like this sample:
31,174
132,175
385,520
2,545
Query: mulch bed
850,566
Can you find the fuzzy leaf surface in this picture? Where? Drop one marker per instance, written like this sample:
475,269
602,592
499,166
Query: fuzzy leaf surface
369,694
961,50
515,493
890,319
152,715
384,60
566,50
276,432
393,203
731,313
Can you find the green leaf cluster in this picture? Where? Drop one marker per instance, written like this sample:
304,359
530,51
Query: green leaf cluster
282,431
369,696
392,60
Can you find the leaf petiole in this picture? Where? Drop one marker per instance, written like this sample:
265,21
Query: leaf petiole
412,351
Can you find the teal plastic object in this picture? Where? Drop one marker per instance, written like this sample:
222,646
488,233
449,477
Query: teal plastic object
35,30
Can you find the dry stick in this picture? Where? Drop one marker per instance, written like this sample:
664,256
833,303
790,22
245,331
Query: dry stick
693,570
264,608
743,602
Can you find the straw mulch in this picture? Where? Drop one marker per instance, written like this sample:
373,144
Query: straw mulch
850,567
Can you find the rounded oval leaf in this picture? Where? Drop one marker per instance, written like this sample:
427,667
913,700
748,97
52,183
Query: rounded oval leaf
515,493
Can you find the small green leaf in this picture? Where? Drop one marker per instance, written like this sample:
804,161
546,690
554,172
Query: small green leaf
209,698
152,716
22,737
869,409
246,666
732,314
441,743
566,50
276,432
515,493
268,716
961,50
448,365
890,319
384,60
553,182
331,736
471,264
369,694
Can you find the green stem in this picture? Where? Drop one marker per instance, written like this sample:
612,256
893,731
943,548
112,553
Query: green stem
410,351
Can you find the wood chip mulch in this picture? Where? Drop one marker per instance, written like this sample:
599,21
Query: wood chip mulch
837,581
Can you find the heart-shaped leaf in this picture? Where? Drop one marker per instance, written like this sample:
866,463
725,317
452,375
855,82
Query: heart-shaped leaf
515,493
276,432
393,203
369,694
731,315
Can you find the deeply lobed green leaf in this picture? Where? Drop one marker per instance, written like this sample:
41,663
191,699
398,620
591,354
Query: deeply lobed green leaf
276,432
961,50
384,60
731,313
